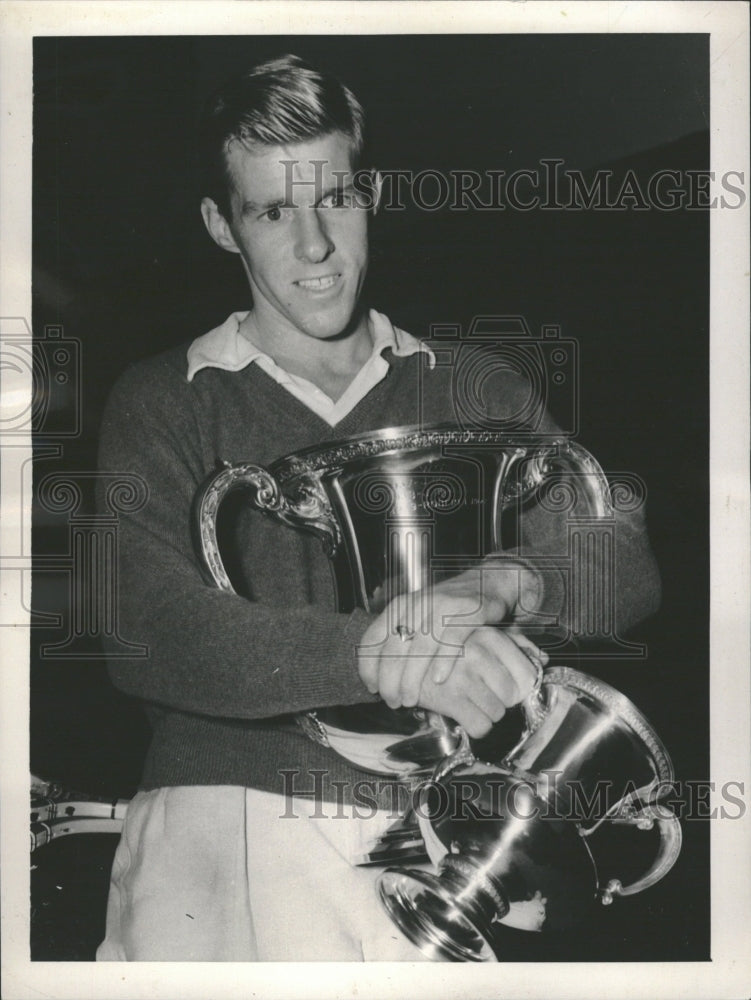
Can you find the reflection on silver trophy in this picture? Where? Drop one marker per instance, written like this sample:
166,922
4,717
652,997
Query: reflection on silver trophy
398,510
525,855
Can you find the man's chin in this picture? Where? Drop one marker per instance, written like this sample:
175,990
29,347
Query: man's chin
334,327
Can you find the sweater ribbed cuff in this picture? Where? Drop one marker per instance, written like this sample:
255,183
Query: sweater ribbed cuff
542,590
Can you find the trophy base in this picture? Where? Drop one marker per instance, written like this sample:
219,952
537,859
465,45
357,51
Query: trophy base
425,909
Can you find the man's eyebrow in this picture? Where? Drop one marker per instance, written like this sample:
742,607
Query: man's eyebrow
252,206
337,187
249,207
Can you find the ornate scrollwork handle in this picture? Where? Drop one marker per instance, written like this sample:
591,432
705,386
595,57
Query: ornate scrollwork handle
309,511
567,473
671,838
265,496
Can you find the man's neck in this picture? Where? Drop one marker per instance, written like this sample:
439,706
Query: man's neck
330,364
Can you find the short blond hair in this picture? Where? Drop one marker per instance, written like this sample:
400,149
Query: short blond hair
284,100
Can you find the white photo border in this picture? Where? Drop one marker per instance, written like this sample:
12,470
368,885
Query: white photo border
728,974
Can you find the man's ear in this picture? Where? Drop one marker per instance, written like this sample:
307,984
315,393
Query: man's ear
217,226
377,187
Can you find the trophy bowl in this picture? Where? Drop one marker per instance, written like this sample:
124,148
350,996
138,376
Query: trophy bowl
397,511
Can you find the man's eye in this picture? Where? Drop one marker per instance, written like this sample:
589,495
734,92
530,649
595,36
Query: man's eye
273,214
337,199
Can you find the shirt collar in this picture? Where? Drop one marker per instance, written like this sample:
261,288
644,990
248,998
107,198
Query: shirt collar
225,347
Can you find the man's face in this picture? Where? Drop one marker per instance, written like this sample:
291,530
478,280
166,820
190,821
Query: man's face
302,237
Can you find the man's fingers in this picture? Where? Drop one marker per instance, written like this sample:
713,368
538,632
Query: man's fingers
382,649
473,720
395,664
422,657
533,651
452,634
519,665
390,674
505,668
486,700
441,669
483,661
402,667
448,651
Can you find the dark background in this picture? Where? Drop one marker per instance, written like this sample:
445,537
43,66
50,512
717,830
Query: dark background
121,261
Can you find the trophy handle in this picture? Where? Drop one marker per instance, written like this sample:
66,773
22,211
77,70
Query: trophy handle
671,838
576,474
310,512
534,713
577,477
534,710
463,753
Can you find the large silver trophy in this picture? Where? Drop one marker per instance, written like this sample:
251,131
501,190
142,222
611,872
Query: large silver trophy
397,511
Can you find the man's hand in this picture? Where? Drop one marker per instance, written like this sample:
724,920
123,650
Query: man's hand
425,636
493,675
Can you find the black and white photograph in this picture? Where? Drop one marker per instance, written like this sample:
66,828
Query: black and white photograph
375,549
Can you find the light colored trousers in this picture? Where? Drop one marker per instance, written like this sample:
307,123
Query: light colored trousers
213,874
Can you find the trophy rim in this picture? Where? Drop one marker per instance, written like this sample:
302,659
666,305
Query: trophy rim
396,440
621,706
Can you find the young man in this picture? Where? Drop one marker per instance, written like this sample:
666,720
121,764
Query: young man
211,864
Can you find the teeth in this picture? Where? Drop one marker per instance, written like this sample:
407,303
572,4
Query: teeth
318,284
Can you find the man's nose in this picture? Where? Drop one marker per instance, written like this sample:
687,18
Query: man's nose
313,242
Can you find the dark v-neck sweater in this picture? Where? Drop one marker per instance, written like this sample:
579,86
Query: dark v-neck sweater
224,673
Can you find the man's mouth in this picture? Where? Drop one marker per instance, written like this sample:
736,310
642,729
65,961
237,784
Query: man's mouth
318,284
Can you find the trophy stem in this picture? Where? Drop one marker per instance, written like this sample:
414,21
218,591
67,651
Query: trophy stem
448,916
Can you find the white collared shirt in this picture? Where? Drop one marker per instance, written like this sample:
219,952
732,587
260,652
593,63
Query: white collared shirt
225,347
